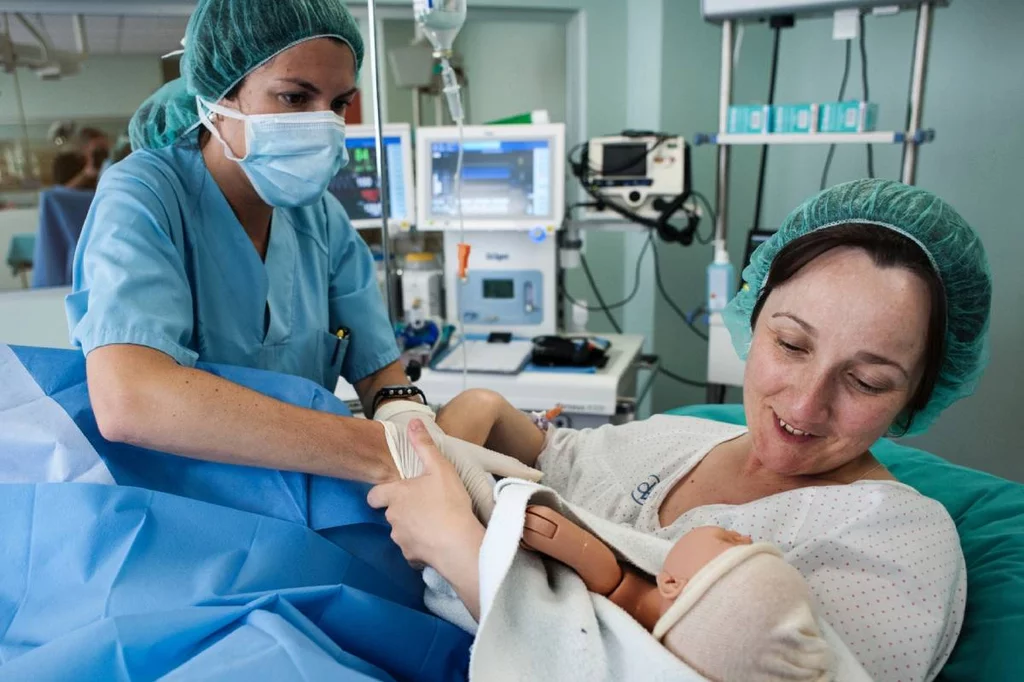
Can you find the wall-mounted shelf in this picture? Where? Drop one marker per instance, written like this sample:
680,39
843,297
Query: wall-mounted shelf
874,137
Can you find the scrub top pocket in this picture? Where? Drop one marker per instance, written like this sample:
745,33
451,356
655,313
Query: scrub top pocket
314,354
334,350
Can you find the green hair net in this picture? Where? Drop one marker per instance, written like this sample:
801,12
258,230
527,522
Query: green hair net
953,248
224,41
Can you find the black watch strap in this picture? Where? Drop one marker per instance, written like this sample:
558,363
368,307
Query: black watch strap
404,391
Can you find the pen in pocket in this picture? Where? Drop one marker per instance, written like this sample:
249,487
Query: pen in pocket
340,335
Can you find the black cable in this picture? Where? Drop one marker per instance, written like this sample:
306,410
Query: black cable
842,94
590,277
615,325
764,148
712,218
864,85
668,299
600,298
661,225
603,307
632,294
606,309
573,163
682,380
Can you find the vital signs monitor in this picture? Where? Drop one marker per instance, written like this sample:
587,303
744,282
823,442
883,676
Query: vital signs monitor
356,185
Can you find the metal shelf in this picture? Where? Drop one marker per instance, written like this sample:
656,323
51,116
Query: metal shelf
874,137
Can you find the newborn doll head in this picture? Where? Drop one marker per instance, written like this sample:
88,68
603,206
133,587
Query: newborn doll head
689,555
733,610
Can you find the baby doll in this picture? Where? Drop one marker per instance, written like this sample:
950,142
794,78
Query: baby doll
729,608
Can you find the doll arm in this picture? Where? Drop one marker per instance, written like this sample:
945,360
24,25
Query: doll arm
548,532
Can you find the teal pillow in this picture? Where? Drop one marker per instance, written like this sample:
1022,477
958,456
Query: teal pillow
989,515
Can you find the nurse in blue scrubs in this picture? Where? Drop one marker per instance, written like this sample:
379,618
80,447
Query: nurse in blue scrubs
215,241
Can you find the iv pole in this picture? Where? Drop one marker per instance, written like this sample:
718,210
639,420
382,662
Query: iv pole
382,163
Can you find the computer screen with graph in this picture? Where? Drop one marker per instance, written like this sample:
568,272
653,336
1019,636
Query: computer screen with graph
513,176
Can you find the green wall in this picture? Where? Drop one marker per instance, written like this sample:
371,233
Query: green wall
974,100
691,59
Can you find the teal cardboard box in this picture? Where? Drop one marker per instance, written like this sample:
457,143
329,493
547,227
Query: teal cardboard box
847,117
750,118
794,118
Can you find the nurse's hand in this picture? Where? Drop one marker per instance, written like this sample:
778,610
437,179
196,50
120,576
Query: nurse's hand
418,507
436,499
474,464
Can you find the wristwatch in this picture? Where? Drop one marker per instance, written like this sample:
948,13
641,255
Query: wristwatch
400,391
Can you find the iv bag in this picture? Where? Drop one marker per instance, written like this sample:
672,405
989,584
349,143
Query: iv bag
441,21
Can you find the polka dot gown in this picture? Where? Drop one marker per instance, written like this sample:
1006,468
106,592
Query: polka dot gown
882,561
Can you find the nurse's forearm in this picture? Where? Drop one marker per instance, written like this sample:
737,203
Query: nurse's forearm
143,397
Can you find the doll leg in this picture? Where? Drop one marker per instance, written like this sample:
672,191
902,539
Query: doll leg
485,418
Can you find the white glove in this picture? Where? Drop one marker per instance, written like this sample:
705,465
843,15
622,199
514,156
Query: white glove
474,464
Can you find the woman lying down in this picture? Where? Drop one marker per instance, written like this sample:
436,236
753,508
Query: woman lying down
866,314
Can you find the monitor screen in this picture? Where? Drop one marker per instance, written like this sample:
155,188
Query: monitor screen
356,185
755,238
624,160
499,288
507,179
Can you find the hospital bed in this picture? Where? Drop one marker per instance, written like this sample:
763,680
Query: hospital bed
195,570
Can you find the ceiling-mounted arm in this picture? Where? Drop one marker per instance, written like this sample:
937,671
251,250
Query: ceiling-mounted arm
7,58
13,55
44,44
81,37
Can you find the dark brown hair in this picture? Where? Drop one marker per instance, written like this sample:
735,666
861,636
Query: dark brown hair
888,249
66,165
88,134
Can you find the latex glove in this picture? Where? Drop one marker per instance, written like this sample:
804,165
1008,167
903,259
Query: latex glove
475,465
400,413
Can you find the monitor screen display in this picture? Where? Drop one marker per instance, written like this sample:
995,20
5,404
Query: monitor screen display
501,179
624,160
499,288
356,186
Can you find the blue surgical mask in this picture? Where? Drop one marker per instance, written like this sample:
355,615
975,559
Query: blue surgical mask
290,158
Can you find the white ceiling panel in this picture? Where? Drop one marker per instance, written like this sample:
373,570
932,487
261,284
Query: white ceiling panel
152,35
105,34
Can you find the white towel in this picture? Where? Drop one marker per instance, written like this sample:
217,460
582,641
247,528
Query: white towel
539,622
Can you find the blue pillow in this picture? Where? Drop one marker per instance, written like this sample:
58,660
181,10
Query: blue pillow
989,515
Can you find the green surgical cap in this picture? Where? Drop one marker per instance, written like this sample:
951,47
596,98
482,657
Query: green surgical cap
954,249
224,41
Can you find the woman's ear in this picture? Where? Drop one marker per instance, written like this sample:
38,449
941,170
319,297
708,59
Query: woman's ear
669,586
